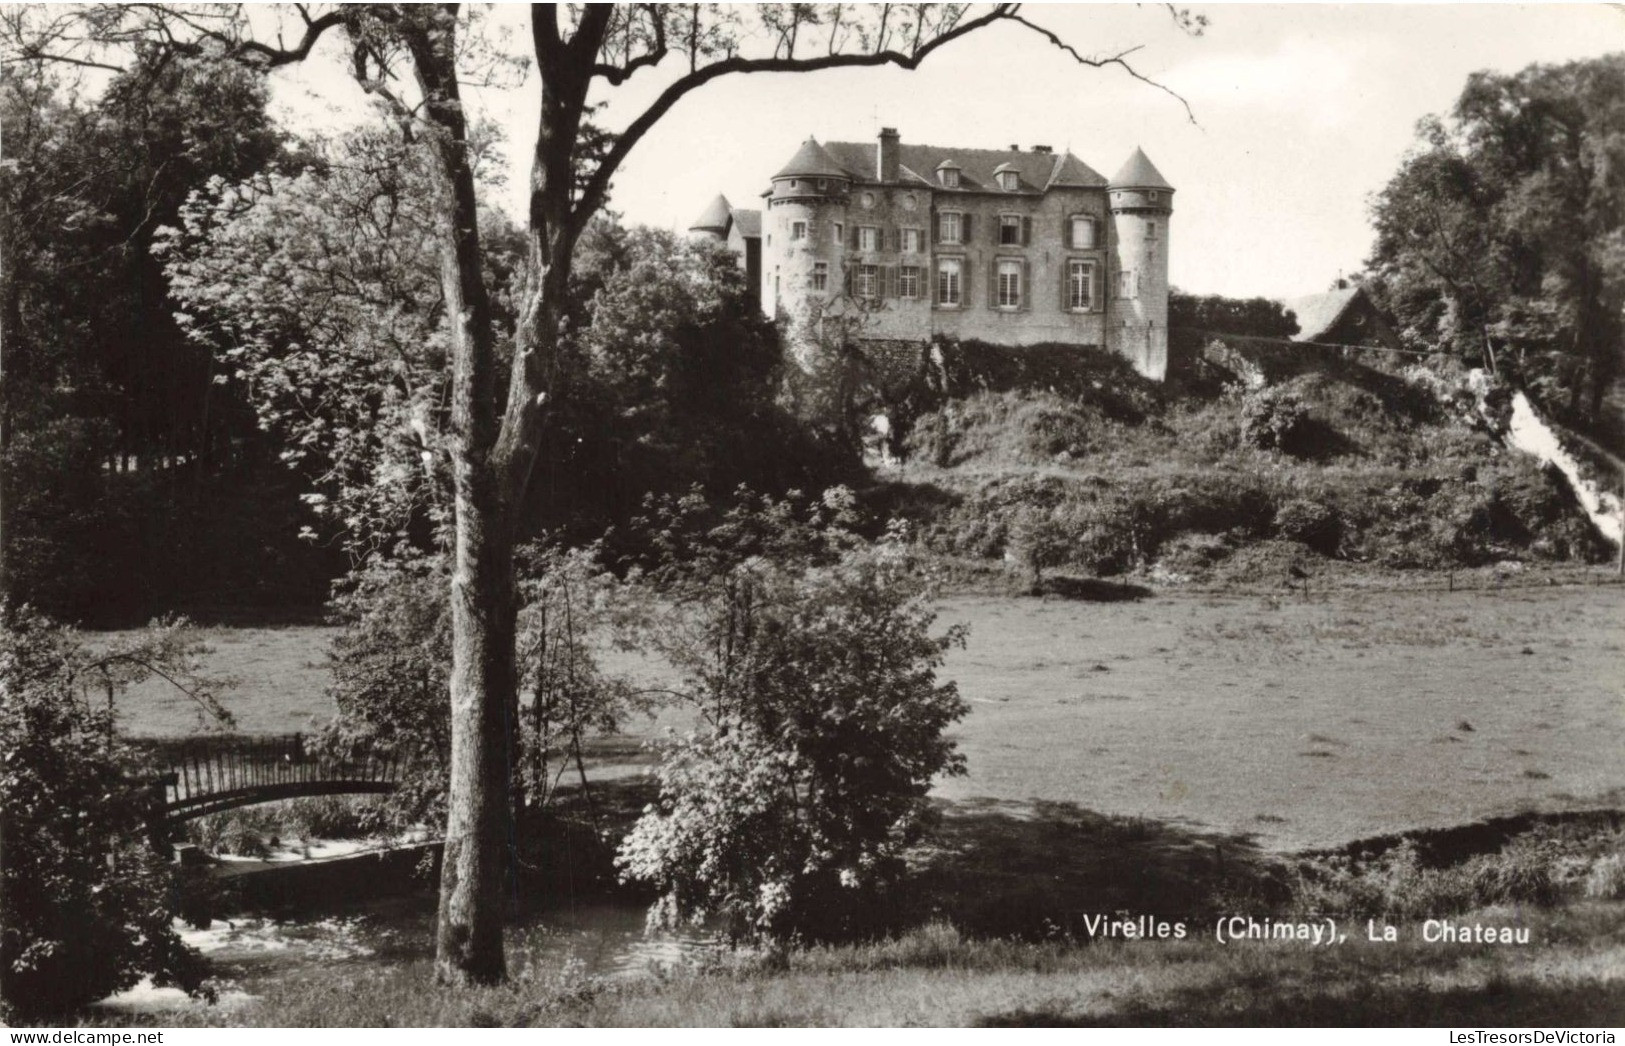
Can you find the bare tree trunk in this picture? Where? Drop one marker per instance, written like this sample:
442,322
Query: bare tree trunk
468,938
468,942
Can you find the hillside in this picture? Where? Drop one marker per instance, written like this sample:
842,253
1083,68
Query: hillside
1256,457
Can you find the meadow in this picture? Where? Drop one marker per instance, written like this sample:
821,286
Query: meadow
1295,721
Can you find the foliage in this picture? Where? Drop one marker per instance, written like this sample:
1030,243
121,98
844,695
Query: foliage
1216,314
88,900
1311,522
317,292
1500,238
391,668
112,431
823,726
1273,418
1039,539
571,609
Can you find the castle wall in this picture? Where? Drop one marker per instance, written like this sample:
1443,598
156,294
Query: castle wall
835,210
1043,315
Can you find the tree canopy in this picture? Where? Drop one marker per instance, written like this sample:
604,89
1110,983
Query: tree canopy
1502,237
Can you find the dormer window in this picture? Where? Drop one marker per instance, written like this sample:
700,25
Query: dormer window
948,175
1009,181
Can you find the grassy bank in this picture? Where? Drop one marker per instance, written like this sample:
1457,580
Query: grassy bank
999,925
1257,461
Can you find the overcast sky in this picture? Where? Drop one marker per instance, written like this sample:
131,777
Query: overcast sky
1302,112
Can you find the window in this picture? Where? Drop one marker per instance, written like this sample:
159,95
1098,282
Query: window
1009,180
950,225
798,231
950,282
820,276
1127,285
911,241
1083,233
949,177
868,238
1153,196
840,234
868,281
823,184
1009,285
1080,286
1150,230
1010,230
908,281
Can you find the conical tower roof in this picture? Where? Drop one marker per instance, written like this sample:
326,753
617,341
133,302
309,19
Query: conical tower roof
716,216
812,161
1138,172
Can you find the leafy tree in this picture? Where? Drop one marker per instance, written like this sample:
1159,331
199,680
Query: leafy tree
1214,313
408,57
1501,238
88,900
788,811
100,391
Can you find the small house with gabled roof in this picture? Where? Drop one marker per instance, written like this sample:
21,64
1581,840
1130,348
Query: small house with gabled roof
1010,246
1342,316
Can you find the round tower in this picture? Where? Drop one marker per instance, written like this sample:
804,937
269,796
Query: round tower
804,233
1142,203
714,221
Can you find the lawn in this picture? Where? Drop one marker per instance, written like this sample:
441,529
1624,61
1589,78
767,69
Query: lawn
1301,722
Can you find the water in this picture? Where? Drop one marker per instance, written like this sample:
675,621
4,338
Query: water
597,940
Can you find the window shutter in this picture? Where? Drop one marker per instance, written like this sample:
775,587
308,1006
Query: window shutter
1026,232
1066,284
993,284
964,228
1066,232
1026,285
846,276
857,233
936,227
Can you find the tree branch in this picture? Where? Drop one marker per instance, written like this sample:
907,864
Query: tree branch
592,195
1120,59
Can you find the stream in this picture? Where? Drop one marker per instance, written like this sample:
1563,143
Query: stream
599,940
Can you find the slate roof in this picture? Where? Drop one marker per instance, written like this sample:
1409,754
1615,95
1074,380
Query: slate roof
1319,313
719,214
1138,172
749,221
918,164
811,161
715,216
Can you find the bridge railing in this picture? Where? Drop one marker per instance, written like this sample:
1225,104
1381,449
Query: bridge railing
203,774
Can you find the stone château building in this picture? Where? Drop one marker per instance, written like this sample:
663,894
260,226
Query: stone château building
1013,247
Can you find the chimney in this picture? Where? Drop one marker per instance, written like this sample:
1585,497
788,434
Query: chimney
886,157
1042,149
1015,148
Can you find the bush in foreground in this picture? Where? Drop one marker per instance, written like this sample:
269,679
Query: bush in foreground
88,902
788,812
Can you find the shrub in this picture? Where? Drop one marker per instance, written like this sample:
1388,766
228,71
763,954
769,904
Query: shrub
1606,880
88,900
1310,522
1039,539
1273,419
787,813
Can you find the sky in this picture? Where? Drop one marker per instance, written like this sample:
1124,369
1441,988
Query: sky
1301,113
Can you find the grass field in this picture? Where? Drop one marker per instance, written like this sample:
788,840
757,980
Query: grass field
1300,722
